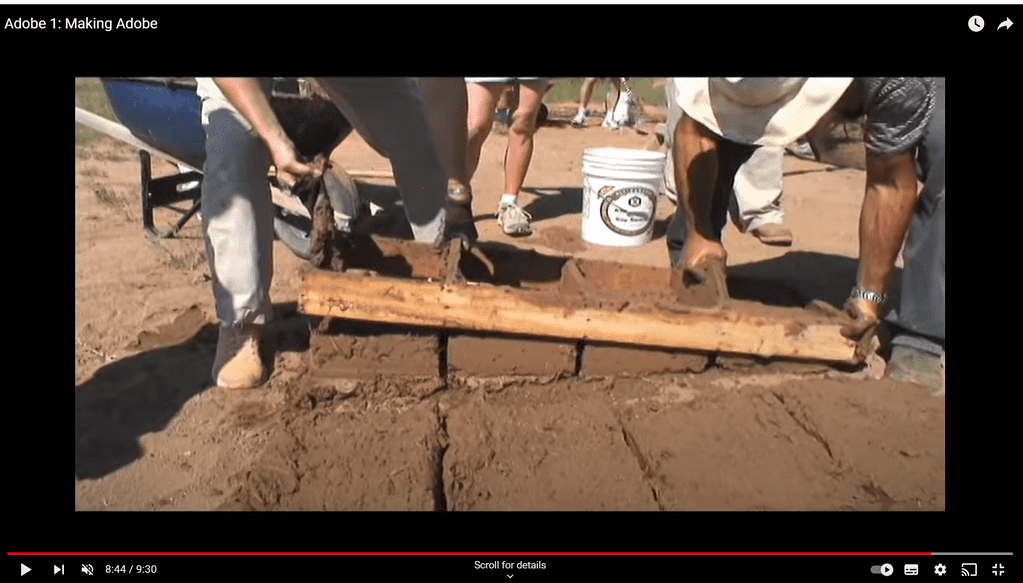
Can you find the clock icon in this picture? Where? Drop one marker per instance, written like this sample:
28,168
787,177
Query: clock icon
976,23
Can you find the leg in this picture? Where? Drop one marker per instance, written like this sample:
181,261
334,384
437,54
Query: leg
446,105
757,198
237,215
585,92
616,83
482,100
613,117
237,221
512,219
674,114
520,136
389,114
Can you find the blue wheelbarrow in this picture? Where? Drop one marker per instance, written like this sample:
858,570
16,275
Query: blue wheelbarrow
160,116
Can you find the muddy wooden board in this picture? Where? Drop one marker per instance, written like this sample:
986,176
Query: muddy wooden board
592,300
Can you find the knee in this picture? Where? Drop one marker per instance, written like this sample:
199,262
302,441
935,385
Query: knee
523,123
479,131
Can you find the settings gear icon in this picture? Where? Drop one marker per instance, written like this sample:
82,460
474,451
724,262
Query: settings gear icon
940,569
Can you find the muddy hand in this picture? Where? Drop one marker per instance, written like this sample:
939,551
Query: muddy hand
471,262
309,186
863,326
460,223
700,280
712,274
289,167
697,251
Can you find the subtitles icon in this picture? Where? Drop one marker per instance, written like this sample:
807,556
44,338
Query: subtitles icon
911,570
969,569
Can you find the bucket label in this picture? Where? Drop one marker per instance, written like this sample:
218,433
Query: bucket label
627,211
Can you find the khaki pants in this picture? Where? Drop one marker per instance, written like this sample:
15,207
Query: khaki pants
756,186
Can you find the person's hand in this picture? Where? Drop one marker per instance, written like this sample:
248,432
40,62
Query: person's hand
864,324
701,280
698,251
289,167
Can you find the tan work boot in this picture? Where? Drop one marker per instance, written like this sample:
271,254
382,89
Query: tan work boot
773,234
238,364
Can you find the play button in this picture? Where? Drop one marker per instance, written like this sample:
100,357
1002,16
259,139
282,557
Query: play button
887,570
24,569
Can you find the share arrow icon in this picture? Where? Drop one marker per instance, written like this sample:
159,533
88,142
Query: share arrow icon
1006,23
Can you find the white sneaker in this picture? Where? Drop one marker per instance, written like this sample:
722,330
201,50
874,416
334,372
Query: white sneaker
620,114
513,220
610,122
580,118
237,364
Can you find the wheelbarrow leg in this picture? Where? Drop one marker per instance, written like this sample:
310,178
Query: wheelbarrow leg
147,208
184,219
162,191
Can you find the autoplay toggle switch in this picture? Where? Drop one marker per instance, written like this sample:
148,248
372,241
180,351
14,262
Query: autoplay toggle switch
885,569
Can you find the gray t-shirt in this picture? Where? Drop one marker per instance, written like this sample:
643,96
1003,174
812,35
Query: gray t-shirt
897,110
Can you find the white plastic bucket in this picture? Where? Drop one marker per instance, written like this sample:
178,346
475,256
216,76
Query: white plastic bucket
620,189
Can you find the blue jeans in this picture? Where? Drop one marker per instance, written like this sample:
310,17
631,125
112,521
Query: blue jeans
919,321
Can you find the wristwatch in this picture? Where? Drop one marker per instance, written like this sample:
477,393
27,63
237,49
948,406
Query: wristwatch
862,294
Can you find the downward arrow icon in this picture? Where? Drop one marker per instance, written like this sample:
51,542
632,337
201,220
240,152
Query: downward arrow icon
1006,23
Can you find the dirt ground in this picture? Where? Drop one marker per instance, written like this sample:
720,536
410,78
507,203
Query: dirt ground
381,418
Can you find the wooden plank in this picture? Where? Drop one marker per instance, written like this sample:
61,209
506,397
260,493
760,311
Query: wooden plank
538,313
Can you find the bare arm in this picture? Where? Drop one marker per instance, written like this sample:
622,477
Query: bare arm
246,96
884,219
696,169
